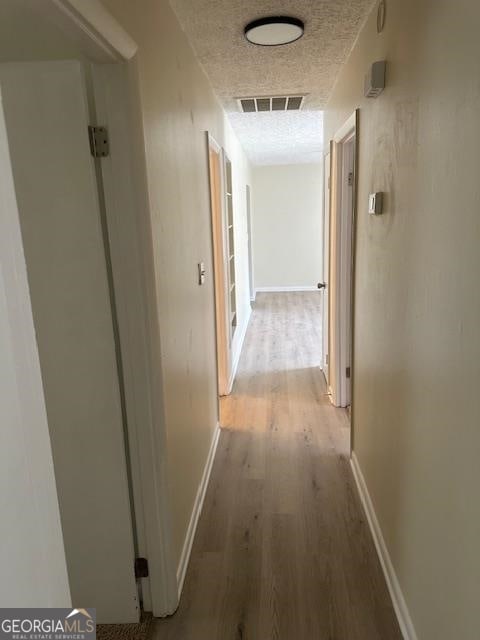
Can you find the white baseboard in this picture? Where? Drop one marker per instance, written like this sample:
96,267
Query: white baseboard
399,604
197,509
279,289
238,349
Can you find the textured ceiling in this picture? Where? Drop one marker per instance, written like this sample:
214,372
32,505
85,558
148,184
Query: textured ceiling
280,138
237,68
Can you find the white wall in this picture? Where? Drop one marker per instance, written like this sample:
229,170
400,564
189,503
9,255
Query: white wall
416,413
287,225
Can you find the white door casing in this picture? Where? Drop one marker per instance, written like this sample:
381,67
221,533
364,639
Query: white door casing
342,200
250,243
47,118
326,267
129,234
345,311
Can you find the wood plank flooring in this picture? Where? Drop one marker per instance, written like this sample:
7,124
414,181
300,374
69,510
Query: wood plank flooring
283,550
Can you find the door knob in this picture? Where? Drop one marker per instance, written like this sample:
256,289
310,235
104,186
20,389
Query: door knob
321,285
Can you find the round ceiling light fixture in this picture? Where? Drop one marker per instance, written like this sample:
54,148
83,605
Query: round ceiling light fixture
274,31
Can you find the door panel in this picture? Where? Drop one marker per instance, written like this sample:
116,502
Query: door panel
32,557
46,116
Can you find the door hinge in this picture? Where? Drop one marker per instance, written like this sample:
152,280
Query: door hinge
141,568
327,358
350,179
347,372
99,143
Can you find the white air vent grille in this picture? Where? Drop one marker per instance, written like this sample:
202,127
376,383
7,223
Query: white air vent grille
274,103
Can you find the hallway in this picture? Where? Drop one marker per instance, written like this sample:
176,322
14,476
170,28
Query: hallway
282,549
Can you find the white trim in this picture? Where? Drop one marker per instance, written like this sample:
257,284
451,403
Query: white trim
197,509
347,127
213,144
399,604
279,289
236,356
251,278
91,18
340,297
326,266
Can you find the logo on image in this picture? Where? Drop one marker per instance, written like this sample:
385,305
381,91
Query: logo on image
47,624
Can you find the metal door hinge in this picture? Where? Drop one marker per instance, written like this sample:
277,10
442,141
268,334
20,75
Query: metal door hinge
99,143
347,372
326,358
350,179
141,568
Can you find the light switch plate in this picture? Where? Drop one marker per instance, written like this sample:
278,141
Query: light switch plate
201,273
375,203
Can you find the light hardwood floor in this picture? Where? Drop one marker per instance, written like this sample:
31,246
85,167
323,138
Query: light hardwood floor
283,550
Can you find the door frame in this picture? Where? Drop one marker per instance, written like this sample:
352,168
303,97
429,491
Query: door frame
339,308
139,348
104,40
219,261
326,268
251,278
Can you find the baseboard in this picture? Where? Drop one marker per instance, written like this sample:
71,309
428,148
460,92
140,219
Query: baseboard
399,604
279,289
197,509
238,350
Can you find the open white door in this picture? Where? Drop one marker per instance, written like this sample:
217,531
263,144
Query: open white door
47,118
326,267
32,557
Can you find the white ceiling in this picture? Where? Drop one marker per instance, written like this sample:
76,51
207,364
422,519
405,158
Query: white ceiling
309,67
288,137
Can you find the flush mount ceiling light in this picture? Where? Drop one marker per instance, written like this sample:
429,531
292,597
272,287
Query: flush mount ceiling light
274,31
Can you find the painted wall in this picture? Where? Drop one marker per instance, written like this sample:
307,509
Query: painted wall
177,107
287,225
417,350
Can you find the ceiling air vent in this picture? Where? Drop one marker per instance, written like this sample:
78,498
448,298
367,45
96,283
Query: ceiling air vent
275,103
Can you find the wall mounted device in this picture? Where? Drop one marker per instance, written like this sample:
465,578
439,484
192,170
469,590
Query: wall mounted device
381,14
201,273
375,79
375,203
